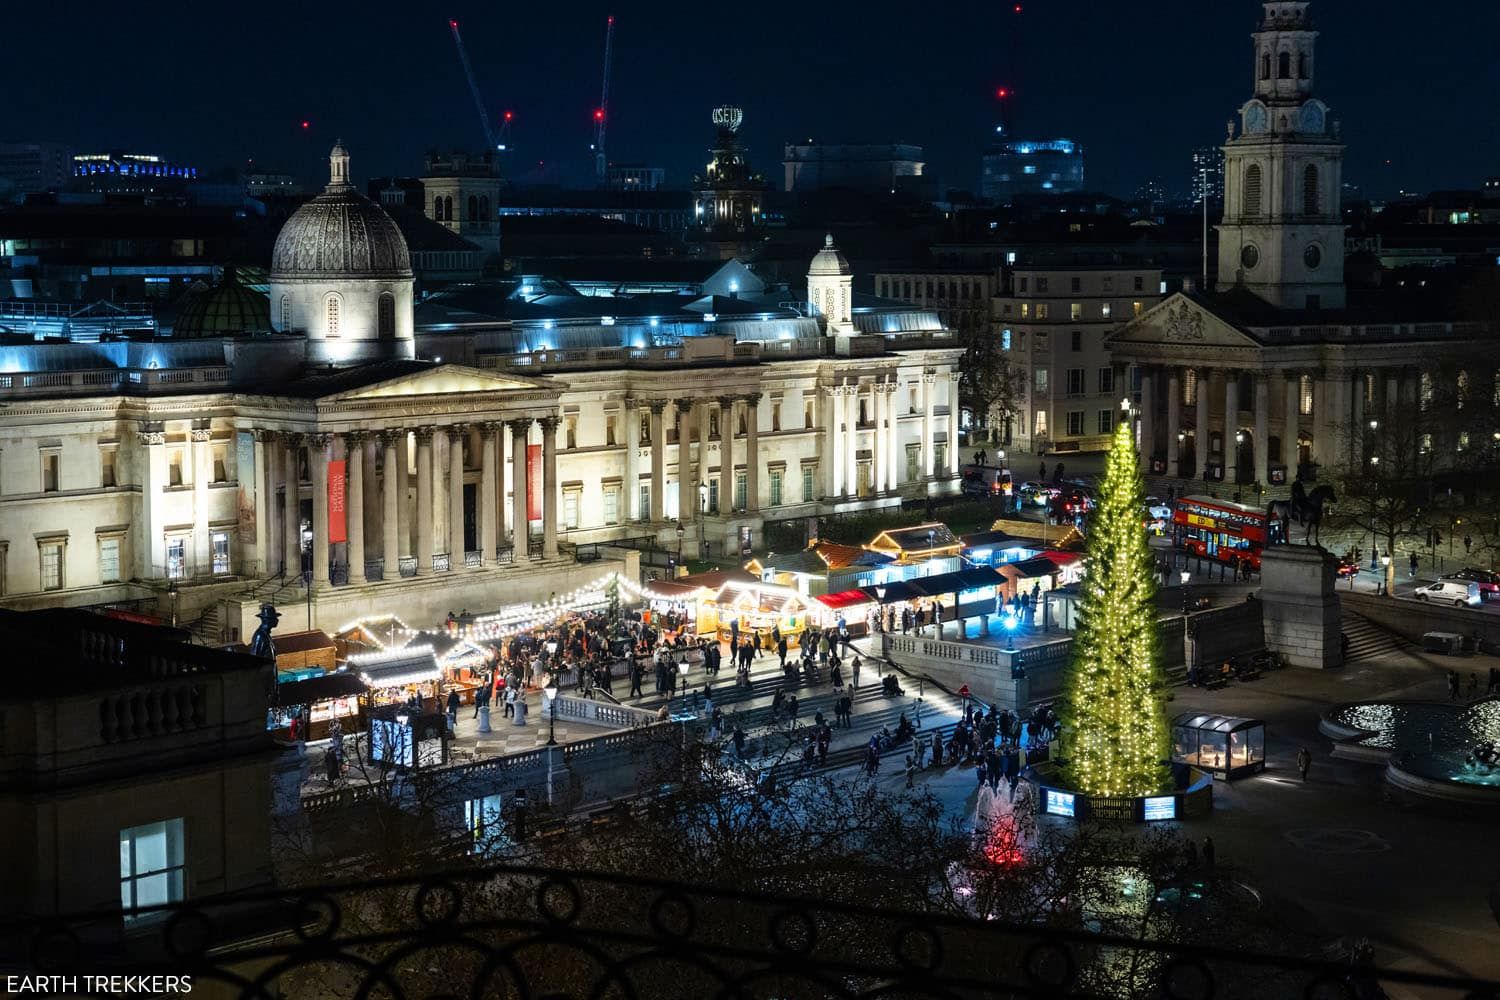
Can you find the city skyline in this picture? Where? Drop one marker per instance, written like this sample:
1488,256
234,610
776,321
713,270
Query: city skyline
934,88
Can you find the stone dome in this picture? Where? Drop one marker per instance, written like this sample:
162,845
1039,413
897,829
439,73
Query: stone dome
340,234
228,309
829,261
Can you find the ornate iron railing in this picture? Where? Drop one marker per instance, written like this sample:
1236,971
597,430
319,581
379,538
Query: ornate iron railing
473,558
374,569
441,563
521,931
407,566
505,555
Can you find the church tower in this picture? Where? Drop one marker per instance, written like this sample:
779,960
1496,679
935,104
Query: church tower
1282,237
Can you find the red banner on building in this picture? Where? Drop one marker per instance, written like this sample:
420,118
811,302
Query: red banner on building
533,482
336,532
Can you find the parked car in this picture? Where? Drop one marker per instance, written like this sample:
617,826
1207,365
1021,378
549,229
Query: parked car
985,480
1070,504
1038,494
1489,583
1458,592
1348,568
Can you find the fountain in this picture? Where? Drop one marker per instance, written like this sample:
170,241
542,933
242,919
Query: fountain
1449,752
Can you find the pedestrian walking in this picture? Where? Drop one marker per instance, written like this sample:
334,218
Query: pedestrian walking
1304,762
911,771
453,709
1413,562
635,678
1208,855
854,673
1473,685
1453,685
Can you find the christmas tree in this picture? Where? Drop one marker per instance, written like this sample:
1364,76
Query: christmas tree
1115,737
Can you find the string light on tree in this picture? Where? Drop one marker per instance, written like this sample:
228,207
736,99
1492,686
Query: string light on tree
1117,741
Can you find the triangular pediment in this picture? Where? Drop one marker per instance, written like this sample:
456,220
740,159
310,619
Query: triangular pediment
1183,321
443,380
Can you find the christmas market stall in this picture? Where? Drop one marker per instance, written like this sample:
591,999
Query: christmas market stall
370,635
1226,747
821,568
919,543
753,607
406,676
406,738
304,709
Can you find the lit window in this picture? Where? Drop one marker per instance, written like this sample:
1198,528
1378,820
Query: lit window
570,511
741,491
1005,340
775,489
612,505
1041,423
1042,310
1106,309
1190,387
808,472
1136,308
176,558
219,542
52,565
332,323
151,867
645,501
1305,396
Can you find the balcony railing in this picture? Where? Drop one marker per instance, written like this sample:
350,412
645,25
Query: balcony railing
442,563
374,569
504,555
515,930
474,559
408,566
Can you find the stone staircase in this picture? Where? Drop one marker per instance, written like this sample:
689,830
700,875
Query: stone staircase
1369,639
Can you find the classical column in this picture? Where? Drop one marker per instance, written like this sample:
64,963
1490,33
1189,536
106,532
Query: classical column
152,547
928,381
489,507
292,507
354,503
1358,427
1291,414
262,508
390,496
456,435
893,413
851,439
202,458
703,418
549,487
726,454
319,453
1148,416
1203,434
832,453
1262,430
687,492
520,431
953,413
658,461
879,452
403,493
1231,426
752,452
631,416
425,528
1174,421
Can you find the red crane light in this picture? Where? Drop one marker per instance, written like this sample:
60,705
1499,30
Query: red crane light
611,19
1003,93
598,114
1018,8
509,115
453,24
306,124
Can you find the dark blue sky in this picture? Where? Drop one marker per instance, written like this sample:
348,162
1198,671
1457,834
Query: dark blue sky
1138,83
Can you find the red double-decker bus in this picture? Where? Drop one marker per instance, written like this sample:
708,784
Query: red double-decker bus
1222,530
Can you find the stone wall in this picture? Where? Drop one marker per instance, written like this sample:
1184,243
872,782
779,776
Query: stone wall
1216,635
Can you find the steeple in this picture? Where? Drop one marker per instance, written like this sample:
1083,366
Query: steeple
1281,237
338,167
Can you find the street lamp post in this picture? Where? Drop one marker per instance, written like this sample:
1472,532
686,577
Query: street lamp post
1186,596
551,692
702,516
680,532
1385,561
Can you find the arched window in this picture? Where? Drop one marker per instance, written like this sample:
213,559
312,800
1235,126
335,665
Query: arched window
484,207
1284,67
473,209
437,208
1265,66
1310,190
1252,190
286,313
385,317
331,313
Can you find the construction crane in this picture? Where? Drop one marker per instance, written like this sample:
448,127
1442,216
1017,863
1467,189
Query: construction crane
491,142
601,113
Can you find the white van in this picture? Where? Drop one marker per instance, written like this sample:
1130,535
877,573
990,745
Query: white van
1458,592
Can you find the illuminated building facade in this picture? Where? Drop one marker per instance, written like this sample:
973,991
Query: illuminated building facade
1024,167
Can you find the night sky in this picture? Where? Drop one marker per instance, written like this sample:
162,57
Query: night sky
1139,84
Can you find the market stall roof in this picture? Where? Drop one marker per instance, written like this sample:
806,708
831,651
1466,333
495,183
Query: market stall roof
952,583
891,593
981,539
410,665
818,558
843,599
919,541
306,692
671,590
1215,723
1030,569
1061,559
302,642
843,556
716,579
768,597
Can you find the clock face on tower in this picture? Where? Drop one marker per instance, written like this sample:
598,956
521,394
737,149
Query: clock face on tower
1255,117
1312,256
1313,118
1249,257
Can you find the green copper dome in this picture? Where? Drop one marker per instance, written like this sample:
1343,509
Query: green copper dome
228,309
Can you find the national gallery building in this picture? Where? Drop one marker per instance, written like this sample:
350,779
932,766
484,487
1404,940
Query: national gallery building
417,457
